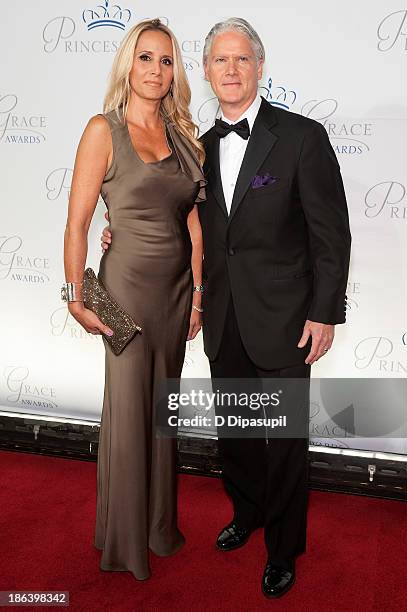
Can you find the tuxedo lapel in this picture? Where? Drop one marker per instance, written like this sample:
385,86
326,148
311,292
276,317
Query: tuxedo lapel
261,141
213,176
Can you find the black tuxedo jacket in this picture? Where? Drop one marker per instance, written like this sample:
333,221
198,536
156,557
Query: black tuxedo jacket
283,252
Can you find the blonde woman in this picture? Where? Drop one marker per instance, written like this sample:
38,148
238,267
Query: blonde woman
142,155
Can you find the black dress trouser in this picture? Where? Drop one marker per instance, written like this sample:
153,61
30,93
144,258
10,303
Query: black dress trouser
266,480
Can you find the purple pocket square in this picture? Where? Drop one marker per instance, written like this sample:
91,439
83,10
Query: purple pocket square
261,181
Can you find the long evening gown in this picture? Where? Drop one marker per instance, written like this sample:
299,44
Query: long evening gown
147,269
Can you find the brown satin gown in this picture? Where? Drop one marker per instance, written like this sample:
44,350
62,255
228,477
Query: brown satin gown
147,269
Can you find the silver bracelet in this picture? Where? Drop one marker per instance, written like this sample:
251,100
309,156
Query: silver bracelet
196,308
71,292
199,288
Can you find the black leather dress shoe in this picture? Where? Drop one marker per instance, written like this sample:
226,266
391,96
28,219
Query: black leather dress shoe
232,536
277,580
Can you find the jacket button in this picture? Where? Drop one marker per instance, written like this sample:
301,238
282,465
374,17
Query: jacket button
231,251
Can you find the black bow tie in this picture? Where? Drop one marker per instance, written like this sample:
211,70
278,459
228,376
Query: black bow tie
223,129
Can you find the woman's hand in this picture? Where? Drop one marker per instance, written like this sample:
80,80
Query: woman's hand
106,237
195,232
195,324
88,319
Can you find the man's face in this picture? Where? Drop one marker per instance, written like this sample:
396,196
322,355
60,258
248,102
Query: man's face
232,69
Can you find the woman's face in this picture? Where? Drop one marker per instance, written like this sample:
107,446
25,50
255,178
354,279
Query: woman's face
152,72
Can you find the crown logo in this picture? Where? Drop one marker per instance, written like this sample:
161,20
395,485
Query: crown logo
106,16
279,96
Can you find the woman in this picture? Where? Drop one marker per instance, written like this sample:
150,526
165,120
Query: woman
143,157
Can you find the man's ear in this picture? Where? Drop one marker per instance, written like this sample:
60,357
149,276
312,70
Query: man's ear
260,69
205,67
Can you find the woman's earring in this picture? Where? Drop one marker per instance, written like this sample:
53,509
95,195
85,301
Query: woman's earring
171,94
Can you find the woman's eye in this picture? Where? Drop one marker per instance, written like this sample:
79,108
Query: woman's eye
144,57
167,61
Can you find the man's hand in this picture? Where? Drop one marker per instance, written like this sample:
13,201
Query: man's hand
106,237
322,338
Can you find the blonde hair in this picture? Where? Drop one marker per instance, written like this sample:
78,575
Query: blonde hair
175,104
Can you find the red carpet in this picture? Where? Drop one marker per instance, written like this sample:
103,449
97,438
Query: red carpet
356,559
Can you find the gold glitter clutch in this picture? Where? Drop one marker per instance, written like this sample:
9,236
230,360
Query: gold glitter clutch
97,299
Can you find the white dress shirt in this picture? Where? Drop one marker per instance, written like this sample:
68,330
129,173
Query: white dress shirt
231,152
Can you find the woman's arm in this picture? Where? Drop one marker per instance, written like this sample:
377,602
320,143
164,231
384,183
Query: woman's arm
195,232
92,160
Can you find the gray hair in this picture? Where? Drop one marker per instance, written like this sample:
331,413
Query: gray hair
235,24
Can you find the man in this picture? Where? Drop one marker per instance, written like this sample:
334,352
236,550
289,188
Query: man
276,256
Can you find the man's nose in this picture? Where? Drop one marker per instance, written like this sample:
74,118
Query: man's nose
231,66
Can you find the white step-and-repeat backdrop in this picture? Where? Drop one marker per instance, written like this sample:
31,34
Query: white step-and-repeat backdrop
343,66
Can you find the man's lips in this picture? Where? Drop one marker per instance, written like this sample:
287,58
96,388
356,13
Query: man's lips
228,84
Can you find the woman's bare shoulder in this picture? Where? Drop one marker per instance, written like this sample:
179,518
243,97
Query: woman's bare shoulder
97,133
98,125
